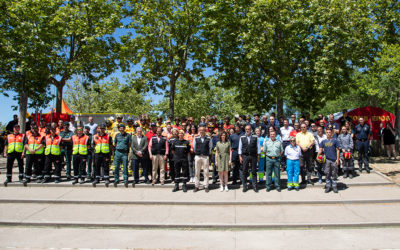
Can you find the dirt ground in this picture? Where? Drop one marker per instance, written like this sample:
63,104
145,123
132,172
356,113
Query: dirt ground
390,168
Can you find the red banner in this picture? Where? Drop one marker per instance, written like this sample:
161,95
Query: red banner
373,116
55,117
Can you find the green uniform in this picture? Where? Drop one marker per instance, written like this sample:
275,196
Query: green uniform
122,144
66,150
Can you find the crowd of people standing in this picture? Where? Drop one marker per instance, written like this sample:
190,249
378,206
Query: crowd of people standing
251,151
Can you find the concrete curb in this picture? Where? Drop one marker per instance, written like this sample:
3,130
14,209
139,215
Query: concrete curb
201,226
198,203
190,186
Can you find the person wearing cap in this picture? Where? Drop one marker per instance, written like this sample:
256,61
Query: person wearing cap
177,123
158,151
227,125
293,153
142,123
72,123
90,155
190,121
103,146
80,152
203,120
109,128
167,131
33,151
53,156
13,150
31,130
66,150
258,124
42,127
180,149
115,126
160,122
122,142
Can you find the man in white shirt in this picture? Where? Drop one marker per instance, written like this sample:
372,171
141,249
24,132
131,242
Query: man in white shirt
285,134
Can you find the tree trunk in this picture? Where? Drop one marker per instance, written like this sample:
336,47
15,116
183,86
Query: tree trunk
172,85
59,86
23,108
279,106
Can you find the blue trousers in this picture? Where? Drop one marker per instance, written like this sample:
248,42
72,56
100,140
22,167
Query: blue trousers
120,158
261,169
362,147
293,172
273,165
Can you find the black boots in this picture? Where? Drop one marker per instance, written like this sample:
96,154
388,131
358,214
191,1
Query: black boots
184,188
7,181
176,187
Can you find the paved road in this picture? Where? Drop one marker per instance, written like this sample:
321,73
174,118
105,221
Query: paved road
364,214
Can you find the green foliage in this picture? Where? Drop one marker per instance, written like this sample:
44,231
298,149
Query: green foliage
204,98
108,97
168,42
301,51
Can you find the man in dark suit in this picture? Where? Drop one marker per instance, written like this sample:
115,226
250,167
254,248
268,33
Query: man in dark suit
140,155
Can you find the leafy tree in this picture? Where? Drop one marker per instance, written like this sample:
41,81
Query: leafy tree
108,97
303,52
204,98
84,42
168,42
24,51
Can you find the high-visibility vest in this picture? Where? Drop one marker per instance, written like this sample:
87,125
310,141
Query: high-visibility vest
80,145
28,134
34,142
15,143
101,144
53,145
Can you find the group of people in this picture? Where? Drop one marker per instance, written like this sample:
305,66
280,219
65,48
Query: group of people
253,152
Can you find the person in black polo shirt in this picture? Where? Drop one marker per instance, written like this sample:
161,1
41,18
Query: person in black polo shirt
249,153
180,149
158,150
